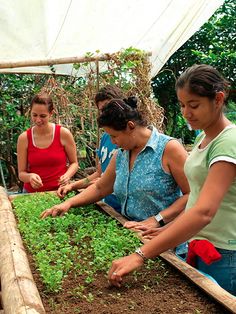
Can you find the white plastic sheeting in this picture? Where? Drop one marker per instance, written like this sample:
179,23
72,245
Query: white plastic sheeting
32,30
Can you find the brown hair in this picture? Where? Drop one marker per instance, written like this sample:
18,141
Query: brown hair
42,99
108,92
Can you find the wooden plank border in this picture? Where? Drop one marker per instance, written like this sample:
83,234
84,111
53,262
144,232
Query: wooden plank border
19,292
212,289
204,283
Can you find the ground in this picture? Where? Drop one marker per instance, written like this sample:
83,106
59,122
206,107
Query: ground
141,293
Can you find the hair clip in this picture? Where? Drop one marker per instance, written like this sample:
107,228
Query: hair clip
119,105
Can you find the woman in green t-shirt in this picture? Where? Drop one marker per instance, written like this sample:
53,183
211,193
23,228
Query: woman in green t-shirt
210,215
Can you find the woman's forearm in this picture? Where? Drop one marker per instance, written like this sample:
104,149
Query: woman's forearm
182,229
88,196
71,171
170,213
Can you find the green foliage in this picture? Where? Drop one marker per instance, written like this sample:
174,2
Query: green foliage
84,241
213,44
73,99
15,93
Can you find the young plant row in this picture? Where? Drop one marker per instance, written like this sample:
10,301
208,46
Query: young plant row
84,241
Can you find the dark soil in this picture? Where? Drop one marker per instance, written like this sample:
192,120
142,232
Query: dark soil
163,290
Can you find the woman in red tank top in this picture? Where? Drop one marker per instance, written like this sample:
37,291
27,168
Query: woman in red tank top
46,153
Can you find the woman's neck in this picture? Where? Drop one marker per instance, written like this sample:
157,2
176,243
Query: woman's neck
142,136
45,130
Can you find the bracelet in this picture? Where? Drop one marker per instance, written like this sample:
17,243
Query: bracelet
86,180
141,254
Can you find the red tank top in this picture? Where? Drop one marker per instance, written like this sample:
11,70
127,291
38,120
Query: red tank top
49,163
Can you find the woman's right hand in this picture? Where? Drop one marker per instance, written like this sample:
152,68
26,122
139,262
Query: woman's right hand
63,190
35,181
57,210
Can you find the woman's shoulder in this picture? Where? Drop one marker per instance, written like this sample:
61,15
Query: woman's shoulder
175,148
228,135
63,130
23,135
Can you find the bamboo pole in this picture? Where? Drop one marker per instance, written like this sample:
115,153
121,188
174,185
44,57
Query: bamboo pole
19,292
50,62
207,285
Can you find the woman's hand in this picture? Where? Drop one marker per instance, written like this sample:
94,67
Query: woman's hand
122,267
57,210
142,225
35,181
63,190
152,233
64,179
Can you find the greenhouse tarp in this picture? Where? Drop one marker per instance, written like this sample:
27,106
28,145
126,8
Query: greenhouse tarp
32,30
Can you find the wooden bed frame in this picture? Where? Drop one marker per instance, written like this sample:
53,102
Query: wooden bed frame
19,293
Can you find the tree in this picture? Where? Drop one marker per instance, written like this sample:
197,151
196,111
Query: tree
213,44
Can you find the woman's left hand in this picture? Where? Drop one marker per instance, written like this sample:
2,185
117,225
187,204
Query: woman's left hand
63,180
122,267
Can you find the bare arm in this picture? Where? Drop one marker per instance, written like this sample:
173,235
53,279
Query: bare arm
174,158
80,184
84,183
173,162
68,142
220,177
92,194
22,152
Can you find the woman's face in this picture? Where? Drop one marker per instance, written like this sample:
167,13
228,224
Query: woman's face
123,139
200,112
40,115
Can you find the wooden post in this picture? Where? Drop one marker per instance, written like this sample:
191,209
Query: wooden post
19,292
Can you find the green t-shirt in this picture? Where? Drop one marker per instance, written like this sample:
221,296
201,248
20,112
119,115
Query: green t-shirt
222,229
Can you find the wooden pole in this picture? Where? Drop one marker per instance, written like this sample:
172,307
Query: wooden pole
19,292
50,62
98,129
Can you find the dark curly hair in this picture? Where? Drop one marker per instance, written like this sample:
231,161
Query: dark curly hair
118,112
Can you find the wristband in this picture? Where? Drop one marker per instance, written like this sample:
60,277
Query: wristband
86,180
140,253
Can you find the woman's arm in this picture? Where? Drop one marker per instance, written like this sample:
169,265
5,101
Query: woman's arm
22,152
68,142
220,177
173,161
80,184
92,194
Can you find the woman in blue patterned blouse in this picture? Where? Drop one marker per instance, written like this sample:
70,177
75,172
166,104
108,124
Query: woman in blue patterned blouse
146,173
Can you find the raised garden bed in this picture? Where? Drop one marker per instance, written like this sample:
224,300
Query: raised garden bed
156,288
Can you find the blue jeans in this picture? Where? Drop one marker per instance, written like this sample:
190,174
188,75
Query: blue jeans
223,271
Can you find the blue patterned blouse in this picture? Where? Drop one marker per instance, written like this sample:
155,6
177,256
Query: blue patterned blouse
147,189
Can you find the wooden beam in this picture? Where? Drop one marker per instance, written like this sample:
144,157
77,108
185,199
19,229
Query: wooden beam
19,292
50,62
